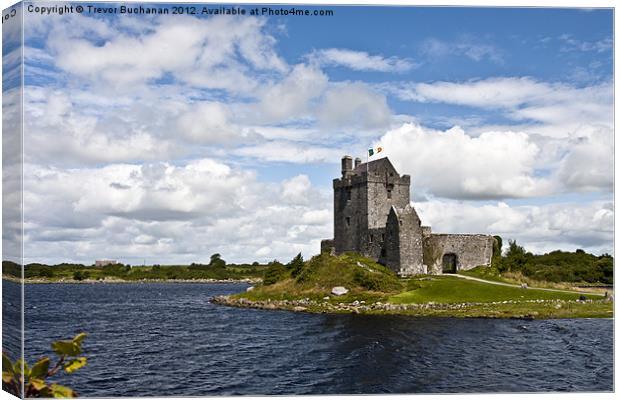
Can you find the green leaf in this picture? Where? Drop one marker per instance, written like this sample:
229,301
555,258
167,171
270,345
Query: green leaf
38,384
62,391
39,370
78,338
46,392
70,348
66,348
19,364
73,365
7,377
7,365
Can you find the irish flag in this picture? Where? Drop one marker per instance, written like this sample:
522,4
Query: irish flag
374,150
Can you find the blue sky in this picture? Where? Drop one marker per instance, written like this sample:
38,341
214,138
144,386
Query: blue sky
176,137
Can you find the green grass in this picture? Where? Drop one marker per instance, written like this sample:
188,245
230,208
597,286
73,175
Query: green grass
364,278
370,282
483,272
446,289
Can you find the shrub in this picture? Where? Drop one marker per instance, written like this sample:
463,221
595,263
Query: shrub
34,378
275,272
296,265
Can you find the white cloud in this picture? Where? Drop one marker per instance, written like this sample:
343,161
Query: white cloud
573,44
588,163
354,105
571,126
521,98
214,53
464,46
168,213
62,131
291,98
455,165
211,122
540,228
286,151
360,60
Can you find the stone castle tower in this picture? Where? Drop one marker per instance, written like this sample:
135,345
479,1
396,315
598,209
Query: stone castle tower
373,216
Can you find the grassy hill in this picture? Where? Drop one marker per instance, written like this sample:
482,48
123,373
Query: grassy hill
315,278
306,286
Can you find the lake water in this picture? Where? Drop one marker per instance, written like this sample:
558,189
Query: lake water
167,339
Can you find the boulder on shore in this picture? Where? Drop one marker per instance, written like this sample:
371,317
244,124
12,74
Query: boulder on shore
339,290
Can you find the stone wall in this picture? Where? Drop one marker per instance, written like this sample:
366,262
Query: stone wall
374,241
470,250
404,242
327,246
386,188
350,219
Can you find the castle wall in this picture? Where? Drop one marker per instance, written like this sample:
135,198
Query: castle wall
385,189
470,250
404,243
374,240
350,219
327,246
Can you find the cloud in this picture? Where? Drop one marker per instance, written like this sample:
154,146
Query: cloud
588,163
363,107
523,97
292,97
212,122
539,228
60,130
170,213
574,138
465,46
292,152
360,60
454,165
573,44
214,52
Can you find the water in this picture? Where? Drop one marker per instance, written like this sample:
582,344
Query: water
167,339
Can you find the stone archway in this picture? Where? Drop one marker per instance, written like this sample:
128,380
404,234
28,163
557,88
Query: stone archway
449,263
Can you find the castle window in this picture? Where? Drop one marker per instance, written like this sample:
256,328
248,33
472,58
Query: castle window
391,174
371,238
348,221
349,194
400,221
383,237
389,193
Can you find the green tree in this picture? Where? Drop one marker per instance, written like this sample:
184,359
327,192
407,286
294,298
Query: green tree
296,265
33,379
216,261
275,272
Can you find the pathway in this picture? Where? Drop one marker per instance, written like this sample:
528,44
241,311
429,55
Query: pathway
471,278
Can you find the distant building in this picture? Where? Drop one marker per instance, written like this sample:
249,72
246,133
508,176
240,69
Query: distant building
373,216
103,263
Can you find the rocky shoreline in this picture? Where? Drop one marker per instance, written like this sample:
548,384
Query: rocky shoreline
425,309
113,280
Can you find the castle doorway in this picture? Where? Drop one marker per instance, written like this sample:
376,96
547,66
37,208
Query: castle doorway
449,263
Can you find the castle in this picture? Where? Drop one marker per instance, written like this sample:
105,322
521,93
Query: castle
373,216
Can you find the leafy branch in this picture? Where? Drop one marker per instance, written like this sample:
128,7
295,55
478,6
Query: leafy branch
18,374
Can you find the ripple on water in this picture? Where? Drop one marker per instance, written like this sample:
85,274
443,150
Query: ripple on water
167,339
